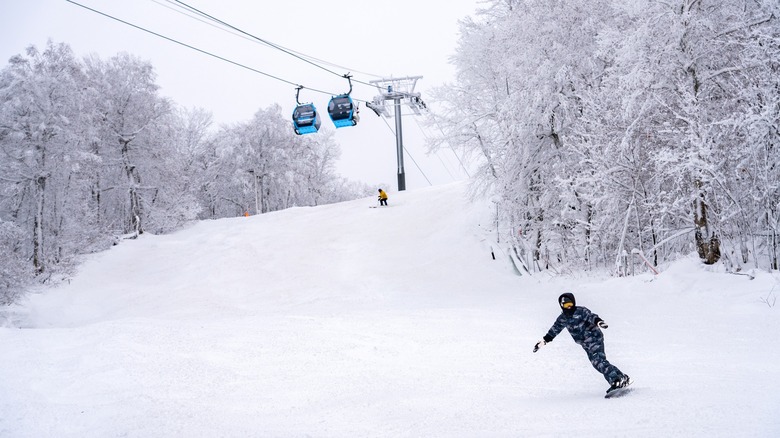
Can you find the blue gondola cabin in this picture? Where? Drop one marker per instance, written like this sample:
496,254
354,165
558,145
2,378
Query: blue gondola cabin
341,110
306,120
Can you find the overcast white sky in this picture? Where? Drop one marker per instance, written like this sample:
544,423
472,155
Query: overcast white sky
369,39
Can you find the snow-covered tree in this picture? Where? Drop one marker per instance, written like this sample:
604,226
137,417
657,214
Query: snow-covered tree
608,126
262,166
40,153
89,152
127,111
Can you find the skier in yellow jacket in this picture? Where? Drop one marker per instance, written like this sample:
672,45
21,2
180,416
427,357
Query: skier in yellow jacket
382,198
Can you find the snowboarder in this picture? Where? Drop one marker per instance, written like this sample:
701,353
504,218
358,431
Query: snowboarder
382,198
585,327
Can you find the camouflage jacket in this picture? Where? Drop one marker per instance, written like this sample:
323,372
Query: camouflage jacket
581,323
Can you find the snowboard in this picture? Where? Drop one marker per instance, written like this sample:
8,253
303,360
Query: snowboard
620,392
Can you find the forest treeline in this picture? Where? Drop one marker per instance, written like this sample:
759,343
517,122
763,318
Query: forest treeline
611,129
90,153
604,130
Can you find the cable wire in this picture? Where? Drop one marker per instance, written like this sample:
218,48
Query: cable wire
407,153
276,46
427,138
221,58
444,137
183,11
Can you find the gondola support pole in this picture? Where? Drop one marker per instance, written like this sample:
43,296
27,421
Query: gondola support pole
399,91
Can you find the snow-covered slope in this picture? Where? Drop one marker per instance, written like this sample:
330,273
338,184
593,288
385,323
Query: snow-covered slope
349,321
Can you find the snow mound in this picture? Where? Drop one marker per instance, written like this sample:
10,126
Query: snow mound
344,320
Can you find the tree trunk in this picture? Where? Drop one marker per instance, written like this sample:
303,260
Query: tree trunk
135,203
133,181
707,243
38,248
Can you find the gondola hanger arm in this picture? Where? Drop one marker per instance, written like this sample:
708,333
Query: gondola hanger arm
348,76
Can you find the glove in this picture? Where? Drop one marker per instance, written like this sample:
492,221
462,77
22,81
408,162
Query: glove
602,324
539,345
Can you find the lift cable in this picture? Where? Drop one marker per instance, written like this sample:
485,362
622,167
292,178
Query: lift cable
407,153
444,137
427,138
203,51
276,46
181,10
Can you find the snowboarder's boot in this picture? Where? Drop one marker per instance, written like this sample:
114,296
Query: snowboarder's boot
622,382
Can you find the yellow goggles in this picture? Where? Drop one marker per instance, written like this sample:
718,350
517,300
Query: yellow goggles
567,305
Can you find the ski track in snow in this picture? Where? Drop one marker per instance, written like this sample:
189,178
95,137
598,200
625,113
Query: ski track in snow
346,321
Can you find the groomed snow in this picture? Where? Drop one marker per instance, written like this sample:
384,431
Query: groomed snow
349,321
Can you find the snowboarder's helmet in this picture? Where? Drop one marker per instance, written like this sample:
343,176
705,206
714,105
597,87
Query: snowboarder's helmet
566,301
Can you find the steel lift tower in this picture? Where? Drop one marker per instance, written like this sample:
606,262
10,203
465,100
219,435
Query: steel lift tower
397,90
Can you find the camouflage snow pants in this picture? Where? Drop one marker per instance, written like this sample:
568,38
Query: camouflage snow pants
598,358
